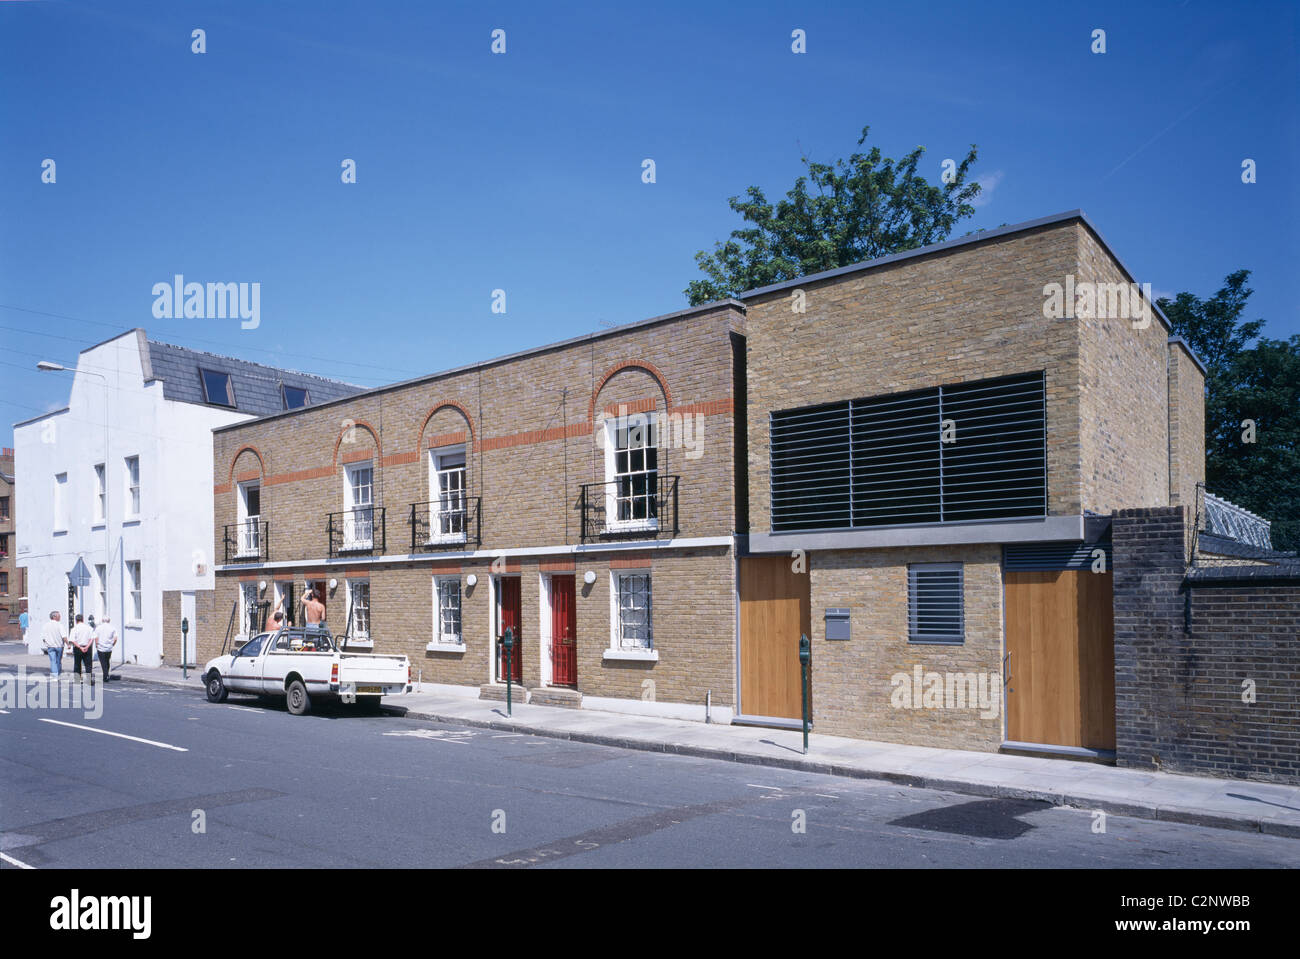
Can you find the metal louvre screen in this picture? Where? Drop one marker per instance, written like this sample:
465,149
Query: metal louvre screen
811,472
934,603
1054,556
971,451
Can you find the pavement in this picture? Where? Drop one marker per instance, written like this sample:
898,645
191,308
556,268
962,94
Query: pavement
1246,805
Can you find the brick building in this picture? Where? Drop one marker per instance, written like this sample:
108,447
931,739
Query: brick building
914,461
13,581
583,494
936,441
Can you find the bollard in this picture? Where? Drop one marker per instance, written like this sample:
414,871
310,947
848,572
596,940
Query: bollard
185,631
509,643
805,660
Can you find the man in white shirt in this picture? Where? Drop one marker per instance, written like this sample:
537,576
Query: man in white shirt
52,640
83,638
105,640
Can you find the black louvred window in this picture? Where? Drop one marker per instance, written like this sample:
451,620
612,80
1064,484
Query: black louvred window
962,452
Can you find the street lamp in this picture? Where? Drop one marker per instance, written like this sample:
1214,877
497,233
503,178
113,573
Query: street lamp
48,366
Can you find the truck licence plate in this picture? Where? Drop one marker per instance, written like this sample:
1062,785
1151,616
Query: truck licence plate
370,689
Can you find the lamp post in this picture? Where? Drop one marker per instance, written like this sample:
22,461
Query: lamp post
47,366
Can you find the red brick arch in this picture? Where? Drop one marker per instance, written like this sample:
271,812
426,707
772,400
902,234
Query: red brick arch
629,365
374,435
261,462
445,404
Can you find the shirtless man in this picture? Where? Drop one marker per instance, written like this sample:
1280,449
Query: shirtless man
275,620
313,609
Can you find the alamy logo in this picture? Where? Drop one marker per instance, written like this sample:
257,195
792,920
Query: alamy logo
77,912
40,691
1102,301
922,690
213,301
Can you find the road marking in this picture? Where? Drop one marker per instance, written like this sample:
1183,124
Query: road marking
757,786
825,796
11,860
247,709
4,712
437,735
105,732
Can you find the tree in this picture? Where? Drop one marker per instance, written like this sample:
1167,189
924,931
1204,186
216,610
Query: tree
1259,383
866,207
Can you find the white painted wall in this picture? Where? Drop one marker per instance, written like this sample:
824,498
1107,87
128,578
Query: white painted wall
175,526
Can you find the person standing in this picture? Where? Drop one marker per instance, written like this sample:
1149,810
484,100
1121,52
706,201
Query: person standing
313,609
83,639
105,640
52,640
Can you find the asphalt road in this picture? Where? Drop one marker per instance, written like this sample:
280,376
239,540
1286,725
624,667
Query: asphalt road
339,789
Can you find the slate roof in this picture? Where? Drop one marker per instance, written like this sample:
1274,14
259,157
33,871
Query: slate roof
257,387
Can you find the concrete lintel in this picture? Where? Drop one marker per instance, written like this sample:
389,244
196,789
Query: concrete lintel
1050,529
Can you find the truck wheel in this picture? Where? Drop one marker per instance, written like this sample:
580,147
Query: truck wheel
215,688
299,701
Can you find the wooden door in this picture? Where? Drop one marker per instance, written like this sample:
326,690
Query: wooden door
510,616
774,611
564,632
1060,671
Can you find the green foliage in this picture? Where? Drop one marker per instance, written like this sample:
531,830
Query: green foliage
1259,382
866,207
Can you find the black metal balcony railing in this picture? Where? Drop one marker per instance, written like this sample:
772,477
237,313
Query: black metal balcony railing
446,523
248,541
642,506
356,531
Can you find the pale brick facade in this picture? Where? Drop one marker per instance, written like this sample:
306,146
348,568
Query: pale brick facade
531,426
1124,428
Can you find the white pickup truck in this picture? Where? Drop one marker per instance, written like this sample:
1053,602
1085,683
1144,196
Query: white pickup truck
302,662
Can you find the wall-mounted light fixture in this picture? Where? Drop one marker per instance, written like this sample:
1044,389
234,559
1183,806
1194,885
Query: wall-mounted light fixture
262,586
589,577
334,584
471,580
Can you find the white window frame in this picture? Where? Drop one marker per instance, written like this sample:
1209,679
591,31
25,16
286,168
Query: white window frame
647,420
101,589
355,526
436,475
358,637
442,640
248,532
939,639
61,504
135,592
617,650
132,498
101,494
248,625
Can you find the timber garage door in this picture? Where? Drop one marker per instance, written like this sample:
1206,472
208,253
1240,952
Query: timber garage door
1060,666
774,611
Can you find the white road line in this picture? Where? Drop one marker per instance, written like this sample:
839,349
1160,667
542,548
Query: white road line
4,712
825,796
105,732
14,862
757,786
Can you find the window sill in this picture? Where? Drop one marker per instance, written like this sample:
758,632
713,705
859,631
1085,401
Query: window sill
634,655
98,524
135,624
131,521
445,647
359,643
633,526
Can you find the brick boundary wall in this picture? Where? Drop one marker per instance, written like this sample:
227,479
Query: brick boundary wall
1186,642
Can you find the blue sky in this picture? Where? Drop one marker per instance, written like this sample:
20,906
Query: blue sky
522,171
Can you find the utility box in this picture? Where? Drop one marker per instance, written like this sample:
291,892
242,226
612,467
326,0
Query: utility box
837,623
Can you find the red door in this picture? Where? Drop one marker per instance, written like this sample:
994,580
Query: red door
564,632
510,608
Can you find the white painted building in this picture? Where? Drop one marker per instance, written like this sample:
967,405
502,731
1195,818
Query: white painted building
121,479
